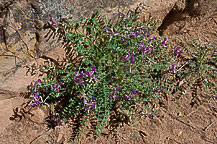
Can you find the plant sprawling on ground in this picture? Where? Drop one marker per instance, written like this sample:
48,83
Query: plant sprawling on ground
123,67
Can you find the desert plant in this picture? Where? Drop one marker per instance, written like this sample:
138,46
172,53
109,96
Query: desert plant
123,67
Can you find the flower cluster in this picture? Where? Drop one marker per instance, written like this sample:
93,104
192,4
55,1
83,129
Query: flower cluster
176,51
90,104
79,77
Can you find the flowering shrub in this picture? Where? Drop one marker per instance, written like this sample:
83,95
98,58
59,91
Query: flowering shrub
123,67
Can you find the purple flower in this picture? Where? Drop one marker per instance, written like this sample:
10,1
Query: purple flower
162,90
84,102
32,105
127,97
117,89
126,67
147,48
119,14
173,66
81,83
76,74
57,90
81,74
61,83
110,95
86,108
215,97
106,30
131,60
36,95
143,49
138,46
38,81
150,116
133,36
58,16
141,43
146,52
180,52
122,38
136,33
51,20
150,39
30,85
124,58
134,91
93,68
149,30
176,52
94,98
75,79
140,31
93,105
52,86
116,97
87,73
38,102
165,39
155,91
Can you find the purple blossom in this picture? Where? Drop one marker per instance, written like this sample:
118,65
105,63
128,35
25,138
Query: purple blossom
36,95
180,52
51,86
134,91
81,83
133,36
93,105
136,33
122,38
94,98
124,58
155,91
143,49
106,30
61,83
161,90
141,43
76,73
84,102
140,31
132,60
164,41
58,123
126,67
93,68
173,66
58,16
138,46
110,95
32,104
57,90
149,30
30,85
116,97
81,74
38,81
75,79
146,52
150,116
117,89
119,14
51,20
86,108
87,73
38,102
